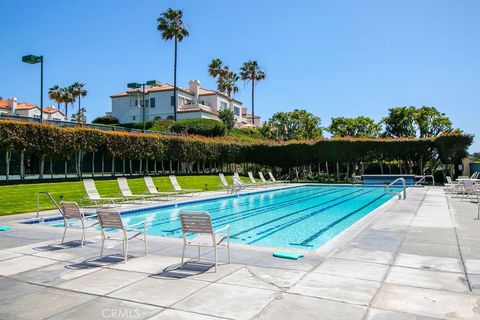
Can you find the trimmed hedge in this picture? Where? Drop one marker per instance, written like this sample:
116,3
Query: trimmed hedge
203,127
46,141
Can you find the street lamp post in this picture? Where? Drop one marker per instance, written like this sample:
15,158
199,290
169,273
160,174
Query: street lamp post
135,85
31,59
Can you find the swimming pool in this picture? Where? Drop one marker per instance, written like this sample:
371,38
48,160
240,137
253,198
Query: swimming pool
303,217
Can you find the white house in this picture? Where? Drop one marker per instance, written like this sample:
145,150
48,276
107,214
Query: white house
29,110
194,102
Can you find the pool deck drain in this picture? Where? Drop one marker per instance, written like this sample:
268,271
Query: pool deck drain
419,259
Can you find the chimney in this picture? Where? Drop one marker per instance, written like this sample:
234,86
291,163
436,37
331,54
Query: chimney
12,104
244,111
194,88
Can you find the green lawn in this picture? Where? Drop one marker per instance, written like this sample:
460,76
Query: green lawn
22,197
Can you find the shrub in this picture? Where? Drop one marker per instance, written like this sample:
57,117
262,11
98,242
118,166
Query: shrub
162,125
105,120
203,127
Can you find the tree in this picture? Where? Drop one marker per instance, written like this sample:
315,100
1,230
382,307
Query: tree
400,122
78,91
227,82
431,122
55,94
354,127
228,118
171,25
250,71
106,120
66,97
215,68
80,116
297,124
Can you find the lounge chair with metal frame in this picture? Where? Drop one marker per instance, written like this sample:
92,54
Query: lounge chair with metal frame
111,223
92,195
270,174
178,189
264,181
152,189
199,224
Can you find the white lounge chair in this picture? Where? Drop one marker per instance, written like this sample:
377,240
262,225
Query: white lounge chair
111,223
127,193
152,189
270,174
238,183
178,189
469,189
73,217
253,182
224,184
200,224
264,181
92,195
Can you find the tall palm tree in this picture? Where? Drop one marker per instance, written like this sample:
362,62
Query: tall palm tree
55,94
216,67
67,98
227,82
78,91
250,71
171,25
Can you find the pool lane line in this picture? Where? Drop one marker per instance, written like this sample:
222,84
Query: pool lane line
252,213
292,213
256,211
317,234
270,231
169,219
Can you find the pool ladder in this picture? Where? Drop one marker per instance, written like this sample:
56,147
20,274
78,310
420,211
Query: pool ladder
399,194
51,198
424,179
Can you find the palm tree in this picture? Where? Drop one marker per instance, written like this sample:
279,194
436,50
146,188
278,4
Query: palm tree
216,67
67,98
55,94
250,71
171,25
78,91
227,82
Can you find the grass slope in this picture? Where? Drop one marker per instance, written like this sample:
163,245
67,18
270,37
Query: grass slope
22,197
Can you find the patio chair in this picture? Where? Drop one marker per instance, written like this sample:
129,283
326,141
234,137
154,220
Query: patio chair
253,182
244,184
127,193
152,189
199,224
92,195
224,184
270,174
264,181
469,189
111,223
178,189
73,217
238,183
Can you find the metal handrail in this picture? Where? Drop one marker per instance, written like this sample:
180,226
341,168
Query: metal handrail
424,178
399,194
51,198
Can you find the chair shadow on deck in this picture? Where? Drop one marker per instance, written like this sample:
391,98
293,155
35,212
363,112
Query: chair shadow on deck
188,269
100,262
64,246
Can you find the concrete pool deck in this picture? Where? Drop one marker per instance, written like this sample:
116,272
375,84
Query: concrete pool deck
418,259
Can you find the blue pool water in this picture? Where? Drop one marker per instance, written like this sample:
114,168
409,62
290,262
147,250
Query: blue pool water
301,217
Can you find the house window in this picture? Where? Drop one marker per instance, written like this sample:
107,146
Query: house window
223,105
36,116
57,119
172,101
237,111
133,118
146,103
152,102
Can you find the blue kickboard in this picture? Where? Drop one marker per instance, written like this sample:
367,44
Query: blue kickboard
4,228
287,255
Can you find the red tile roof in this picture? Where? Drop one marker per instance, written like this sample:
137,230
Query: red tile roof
3,104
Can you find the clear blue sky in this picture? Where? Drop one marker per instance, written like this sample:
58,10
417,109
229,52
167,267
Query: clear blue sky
333,58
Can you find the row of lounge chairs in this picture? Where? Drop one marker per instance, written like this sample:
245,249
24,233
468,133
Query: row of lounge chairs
151,191
238,184
465,186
